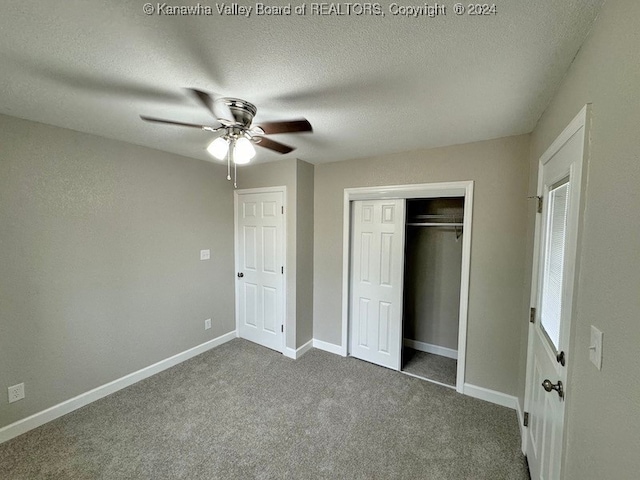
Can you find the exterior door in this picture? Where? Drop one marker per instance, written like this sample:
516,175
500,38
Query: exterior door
377,263
260,250
559,185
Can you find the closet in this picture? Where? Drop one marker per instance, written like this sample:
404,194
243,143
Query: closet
431,293
406,261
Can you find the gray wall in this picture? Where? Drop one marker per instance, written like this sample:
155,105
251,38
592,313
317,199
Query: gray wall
99,260
603,405
432,286
299,250
304,253
496,308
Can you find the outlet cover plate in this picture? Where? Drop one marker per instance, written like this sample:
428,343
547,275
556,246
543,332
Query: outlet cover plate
16,392
595,347
207,324
205,254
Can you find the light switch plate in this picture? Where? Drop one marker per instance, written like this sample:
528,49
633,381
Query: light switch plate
207,324
205,254
595,347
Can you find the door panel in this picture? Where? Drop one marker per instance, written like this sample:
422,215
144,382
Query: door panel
249,306
249,260
386,259
377,242
559,183
384,326
270,309
270,250
363,327
260,248
365,256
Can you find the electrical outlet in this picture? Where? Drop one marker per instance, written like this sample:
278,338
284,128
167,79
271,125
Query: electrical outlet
207,324
16,392
205,254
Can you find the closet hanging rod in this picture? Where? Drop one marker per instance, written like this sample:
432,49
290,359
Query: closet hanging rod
431,224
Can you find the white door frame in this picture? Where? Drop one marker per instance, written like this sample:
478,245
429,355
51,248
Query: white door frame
578,178
423,190
248,191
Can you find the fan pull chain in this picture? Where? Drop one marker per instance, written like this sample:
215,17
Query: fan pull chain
229,165
232,146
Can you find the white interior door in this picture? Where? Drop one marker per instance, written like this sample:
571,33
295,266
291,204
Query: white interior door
559,184
377,264
260,240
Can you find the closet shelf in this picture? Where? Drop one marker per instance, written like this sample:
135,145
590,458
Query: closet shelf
432,220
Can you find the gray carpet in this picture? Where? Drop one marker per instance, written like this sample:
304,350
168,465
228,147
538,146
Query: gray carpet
241,412
427,365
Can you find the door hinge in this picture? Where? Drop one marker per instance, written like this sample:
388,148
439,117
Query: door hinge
526,419
282,328
282,270
539,200
532,315
282,210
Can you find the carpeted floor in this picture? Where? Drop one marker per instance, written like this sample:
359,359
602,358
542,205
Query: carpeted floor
241,411
427,365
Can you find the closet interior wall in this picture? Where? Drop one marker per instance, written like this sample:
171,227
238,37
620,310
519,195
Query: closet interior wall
433,265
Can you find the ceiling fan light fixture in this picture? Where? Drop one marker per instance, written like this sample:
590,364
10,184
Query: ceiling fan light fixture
219,148
243,151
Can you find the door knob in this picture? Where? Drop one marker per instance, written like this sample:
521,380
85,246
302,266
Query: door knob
240,274
548,386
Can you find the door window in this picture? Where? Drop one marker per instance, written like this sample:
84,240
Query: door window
551,307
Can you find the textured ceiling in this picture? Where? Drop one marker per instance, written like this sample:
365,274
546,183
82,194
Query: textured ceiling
369,85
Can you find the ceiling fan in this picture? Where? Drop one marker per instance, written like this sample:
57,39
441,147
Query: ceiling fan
236,135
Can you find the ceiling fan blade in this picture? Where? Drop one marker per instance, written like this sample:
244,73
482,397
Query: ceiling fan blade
291,126
101,84
171,122
217,107
273,145
204,98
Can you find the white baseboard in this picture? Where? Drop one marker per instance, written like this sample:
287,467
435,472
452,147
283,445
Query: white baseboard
328,347
68,406
297,353
492,396
430,348
304,349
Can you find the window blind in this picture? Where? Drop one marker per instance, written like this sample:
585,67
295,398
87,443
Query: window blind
554,262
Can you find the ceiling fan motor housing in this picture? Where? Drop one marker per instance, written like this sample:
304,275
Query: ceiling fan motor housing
242,111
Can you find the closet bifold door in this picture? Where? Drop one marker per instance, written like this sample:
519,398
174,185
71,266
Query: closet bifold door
377,273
